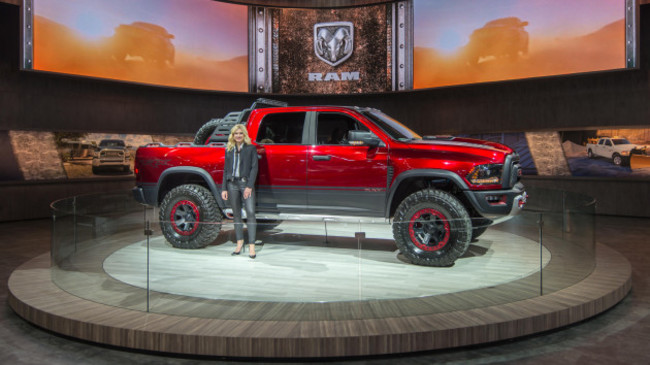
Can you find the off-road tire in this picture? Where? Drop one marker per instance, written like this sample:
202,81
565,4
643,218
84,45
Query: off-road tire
190,217
617,159
441,216
479,226
205,131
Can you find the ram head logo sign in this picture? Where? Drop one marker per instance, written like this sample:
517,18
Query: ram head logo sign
333,42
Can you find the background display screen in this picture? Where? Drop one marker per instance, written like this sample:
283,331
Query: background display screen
470,41
198,44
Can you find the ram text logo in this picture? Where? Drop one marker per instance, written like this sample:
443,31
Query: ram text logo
333,76
334,41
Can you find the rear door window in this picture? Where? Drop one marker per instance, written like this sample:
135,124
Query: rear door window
281,128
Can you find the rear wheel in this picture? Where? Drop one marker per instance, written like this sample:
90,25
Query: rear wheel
432,228
590,154
190,217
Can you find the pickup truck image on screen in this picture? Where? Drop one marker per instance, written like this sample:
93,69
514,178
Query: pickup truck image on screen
617,149
111,154
349,163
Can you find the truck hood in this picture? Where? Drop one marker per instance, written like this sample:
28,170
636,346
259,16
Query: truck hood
449,141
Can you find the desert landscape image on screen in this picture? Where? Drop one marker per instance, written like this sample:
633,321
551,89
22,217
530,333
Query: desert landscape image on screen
467,41
198,44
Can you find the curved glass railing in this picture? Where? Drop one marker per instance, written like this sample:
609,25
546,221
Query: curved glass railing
109,249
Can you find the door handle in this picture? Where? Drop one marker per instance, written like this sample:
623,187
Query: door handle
321,157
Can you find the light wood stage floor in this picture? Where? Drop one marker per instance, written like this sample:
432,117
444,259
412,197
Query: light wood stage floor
308,272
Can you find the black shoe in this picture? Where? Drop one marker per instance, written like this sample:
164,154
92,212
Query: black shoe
252,256
235,253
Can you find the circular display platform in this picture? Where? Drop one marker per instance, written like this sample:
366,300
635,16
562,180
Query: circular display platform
312,271
284,329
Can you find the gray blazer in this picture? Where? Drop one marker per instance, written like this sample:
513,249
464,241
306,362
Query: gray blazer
247,167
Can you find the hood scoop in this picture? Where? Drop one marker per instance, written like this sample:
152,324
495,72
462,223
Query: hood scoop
438,138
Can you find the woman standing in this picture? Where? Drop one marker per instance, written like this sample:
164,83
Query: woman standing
239,174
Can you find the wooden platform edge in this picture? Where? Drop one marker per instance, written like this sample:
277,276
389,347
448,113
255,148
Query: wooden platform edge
34,297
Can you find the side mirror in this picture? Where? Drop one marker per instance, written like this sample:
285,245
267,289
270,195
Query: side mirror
363,138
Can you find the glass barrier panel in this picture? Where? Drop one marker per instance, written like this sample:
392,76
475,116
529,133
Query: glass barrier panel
88,229
108,248
435,265
297,263
567,231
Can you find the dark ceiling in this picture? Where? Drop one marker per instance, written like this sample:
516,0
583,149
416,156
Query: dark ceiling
311,3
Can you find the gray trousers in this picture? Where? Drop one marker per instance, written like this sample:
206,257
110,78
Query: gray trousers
235,196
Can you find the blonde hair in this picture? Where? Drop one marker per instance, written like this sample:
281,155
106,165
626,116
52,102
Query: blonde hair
231,138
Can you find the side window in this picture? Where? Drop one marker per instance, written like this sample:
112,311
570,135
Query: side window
281,128
333,128
608,143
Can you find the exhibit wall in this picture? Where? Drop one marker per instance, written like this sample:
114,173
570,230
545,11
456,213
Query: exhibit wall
535,108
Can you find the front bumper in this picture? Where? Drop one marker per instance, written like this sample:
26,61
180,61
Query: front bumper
110,163
493,204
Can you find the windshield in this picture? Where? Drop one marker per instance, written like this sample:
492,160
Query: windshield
390,126
111,143
620,141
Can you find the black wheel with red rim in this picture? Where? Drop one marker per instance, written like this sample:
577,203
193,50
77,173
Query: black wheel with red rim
432,228
190,217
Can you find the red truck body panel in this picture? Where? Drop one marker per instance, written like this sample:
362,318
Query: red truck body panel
309,174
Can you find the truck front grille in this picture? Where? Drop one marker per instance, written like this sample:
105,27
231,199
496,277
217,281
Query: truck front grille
511,171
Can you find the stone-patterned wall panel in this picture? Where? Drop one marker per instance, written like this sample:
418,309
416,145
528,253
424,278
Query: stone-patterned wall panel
37,155
546,149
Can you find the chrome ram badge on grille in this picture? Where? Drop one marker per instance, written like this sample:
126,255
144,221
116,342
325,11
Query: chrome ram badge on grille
333,41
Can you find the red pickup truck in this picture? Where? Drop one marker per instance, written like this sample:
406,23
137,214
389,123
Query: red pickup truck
337,163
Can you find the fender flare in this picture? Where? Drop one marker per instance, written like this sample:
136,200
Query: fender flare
422,173
193,171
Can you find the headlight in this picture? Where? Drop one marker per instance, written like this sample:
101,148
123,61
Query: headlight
625,153
485,174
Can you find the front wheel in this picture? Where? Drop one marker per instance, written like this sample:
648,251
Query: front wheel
190,217
617,159
432,228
